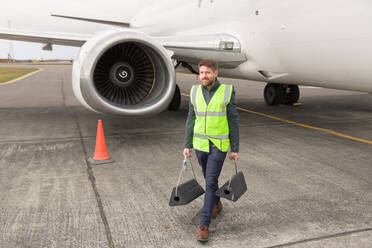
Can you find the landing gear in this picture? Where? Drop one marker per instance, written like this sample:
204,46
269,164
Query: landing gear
275,94
292,94
176,101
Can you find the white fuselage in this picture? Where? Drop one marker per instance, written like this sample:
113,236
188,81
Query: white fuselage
305,42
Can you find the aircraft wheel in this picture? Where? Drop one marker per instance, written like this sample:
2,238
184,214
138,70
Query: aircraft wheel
292,94
273,94
176,101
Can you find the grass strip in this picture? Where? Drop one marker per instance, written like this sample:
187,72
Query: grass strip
10,73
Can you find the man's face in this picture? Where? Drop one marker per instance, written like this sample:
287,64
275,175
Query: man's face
207,76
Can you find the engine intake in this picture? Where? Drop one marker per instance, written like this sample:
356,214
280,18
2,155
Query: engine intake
124,73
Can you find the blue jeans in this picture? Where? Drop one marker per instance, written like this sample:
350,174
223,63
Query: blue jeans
211,163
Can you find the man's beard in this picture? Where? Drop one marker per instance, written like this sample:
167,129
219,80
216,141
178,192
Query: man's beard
209,83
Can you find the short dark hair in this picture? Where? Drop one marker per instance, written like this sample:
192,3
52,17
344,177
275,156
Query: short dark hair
211,63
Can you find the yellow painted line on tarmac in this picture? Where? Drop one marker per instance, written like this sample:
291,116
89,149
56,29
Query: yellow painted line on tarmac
20,78
306,126
301,125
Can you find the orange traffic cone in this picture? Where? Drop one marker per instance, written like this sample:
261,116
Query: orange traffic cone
100,154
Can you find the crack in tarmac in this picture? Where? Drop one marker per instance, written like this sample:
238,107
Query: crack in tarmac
92,179
63,93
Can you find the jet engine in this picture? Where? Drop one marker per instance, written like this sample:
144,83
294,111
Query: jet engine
124,72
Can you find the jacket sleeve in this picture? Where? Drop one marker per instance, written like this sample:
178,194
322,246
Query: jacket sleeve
233,120
189,130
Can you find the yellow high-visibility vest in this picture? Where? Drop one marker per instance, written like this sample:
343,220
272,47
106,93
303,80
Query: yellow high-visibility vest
211,120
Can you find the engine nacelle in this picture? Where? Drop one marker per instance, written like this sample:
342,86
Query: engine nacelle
124,73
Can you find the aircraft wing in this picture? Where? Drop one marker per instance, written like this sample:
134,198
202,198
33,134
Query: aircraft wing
75,40
188,48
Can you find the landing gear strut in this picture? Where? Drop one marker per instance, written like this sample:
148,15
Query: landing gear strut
275,94
176,101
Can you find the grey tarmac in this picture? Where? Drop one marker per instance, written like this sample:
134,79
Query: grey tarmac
306,188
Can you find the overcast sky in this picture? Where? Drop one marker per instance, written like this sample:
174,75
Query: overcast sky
35,15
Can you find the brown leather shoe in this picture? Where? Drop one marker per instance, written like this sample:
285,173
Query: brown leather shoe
203,234
216,209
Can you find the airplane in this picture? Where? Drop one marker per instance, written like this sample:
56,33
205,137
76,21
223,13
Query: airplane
130,69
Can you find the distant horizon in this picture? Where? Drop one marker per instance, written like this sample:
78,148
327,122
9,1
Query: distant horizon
27,51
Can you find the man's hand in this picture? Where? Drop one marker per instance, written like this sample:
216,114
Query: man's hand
186,152
234,156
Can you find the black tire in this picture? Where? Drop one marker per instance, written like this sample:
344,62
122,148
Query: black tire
292,94
273,94
176,101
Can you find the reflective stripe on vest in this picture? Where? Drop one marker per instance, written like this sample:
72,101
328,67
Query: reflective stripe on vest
211,120
201,136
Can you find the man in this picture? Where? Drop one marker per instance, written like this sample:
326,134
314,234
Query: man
212,126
